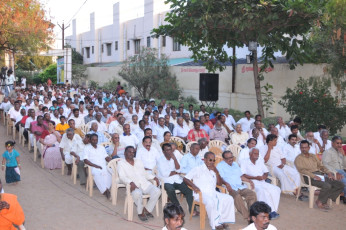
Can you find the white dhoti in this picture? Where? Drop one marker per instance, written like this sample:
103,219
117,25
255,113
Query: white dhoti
219,207
32,139
68,158
289,178
268,193
102,178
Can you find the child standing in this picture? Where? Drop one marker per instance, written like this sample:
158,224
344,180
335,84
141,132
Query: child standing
11,158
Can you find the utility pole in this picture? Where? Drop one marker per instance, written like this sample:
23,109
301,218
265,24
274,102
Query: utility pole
63,28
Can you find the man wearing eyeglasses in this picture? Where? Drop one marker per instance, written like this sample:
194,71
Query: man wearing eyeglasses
219,206
232,177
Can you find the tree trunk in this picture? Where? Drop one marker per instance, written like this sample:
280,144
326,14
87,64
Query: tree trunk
257,85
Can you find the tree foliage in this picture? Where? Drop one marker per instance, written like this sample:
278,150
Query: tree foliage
23,26
31,63
206,27
312,100
49,72
150,75
328,39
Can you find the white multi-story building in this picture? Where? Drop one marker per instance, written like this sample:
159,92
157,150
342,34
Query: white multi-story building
121,39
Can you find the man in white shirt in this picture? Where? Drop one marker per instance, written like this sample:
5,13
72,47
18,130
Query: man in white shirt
280,141
291,149
68,140
314,143
246,121
160,129
256,171
154,143
289,177
259,217
101,126
127,138
134,123
168,172
204,179
15,112
239,137
203,147
230,122
147,154
325,144
117,126
139,132
131,172
181,130
79,120
10,82
283,129
96,156
173,118
187,121
77,151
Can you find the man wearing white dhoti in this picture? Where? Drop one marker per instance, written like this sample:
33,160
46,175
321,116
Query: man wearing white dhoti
219,206
256,171
68,140
289,176
96,156
131,172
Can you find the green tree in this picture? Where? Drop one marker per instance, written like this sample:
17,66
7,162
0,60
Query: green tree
311,100
49,72
150,75
31,63
328,44
277,25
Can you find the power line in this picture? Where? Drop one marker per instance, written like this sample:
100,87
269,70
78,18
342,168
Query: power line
77,11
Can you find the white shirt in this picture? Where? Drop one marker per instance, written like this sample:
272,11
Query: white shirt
253,227
79,121
67,144
28,121
284,131
130,140
275,155
139,134
230,122
328,145
202,152
173,121
115,127
245,123
133,126
250,169
101,126
14,114
96,155
164,168
203,178
291,152
9,80
178,155
190,124
179,131
158,131
149,158
134,173
78,148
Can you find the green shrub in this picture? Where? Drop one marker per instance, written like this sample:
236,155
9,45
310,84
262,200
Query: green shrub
49,72
311,100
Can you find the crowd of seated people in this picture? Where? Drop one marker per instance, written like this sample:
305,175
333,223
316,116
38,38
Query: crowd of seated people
169,145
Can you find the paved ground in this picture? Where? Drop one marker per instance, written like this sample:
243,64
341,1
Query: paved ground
51,202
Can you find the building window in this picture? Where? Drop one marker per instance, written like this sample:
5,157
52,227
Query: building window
116,45
128,45
148,41
163,41
176,45
92,49
87,50
137,46
82,51
109,49
102,48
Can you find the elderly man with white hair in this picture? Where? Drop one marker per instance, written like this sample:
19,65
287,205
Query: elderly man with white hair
68,140
256,171
239,137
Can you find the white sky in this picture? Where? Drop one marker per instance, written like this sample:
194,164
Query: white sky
64,10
